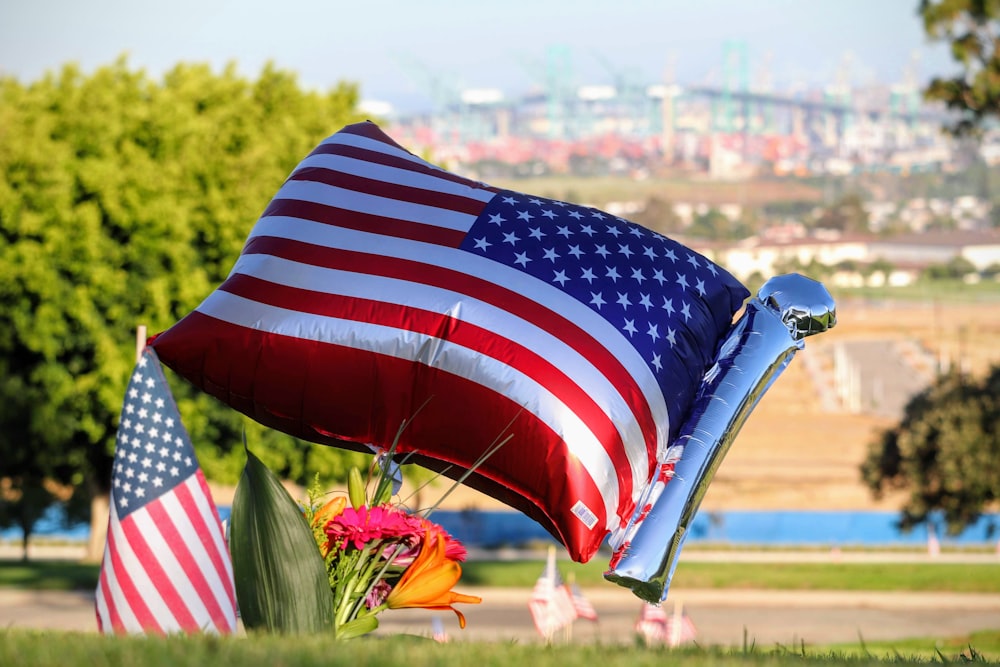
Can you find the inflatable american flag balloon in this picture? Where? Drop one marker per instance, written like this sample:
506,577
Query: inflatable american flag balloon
377,288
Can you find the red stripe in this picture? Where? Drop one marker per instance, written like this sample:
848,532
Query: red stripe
462,333
128,588
364,222
395,191
197,584
162,581
327,392
483,290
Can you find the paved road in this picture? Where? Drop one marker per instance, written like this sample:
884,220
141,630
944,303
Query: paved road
721,617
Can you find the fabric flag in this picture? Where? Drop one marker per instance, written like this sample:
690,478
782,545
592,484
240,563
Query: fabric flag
166,565
377,288
583,607
656,626
652,623
551,604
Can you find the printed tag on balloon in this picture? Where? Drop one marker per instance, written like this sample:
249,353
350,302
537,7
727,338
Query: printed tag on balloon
376,288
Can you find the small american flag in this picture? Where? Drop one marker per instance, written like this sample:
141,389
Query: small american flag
584,609
551,603
376,285
166,565
656,626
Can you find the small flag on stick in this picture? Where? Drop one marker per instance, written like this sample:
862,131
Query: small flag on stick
166,567
551,604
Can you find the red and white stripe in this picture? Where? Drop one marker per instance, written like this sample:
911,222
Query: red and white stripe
166,567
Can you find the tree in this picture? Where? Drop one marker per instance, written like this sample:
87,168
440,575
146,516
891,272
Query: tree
125,200
972,27
943,452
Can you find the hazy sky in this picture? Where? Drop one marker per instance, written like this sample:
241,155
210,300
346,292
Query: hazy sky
389,46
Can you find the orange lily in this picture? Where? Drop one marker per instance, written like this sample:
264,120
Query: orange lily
427,582
323,516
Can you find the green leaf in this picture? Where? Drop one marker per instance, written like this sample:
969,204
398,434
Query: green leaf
281,580
358,627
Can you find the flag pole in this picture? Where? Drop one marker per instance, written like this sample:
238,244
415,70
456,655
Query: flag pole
140,341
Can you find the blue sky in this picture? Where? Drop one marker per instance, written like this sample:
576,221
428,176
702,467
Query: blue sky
390,46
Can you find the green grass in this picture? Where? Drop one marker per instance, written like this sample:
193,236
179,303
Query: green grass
921,577
41,649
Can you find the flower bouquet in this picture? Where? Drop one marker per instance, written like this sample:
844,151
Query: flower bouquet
336,564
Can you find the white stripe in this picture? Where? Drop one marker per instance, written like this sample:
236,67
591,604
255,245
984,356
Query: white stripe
362,202
165,557
524,332
448,356
394,175
477,266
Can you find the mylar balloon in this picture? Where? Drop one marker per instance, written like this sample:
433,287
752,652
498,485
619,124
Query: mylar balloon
378,288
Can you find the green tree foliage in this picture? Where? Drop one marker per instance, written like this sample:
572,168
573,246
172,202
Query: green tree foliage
943,452
125,200
972,28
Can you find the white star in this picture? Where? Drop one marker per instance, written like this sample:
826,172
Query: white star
133,393
550,253
560,278
150,383
670,255
602,251
548,213
536,233
686,311
657,363
563,231
159,404
630,327
649,252
126,487
164,452
700,286
140,492
157,482
623,249
613,274
143,413
644,301
511,238
637,275
482,244
682,280
143,477
623,300
597,299
129,473
161,466
575,251
659,277
653,331
154,432
146,462
123,502
712,269
170,422
497,219
586,229
524,215
132,457
509,200
522,259
594,213
671,336
633,230
668,305
588,275
693,261
536,201
150,447
174,471
576,216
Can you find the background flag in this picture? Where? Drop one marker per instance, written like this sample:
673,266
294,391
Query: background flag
166,565
551,604
656,626
584,609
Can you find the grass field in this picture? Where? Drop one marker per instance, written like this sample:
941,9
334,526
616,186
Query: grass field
920,577
60,649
